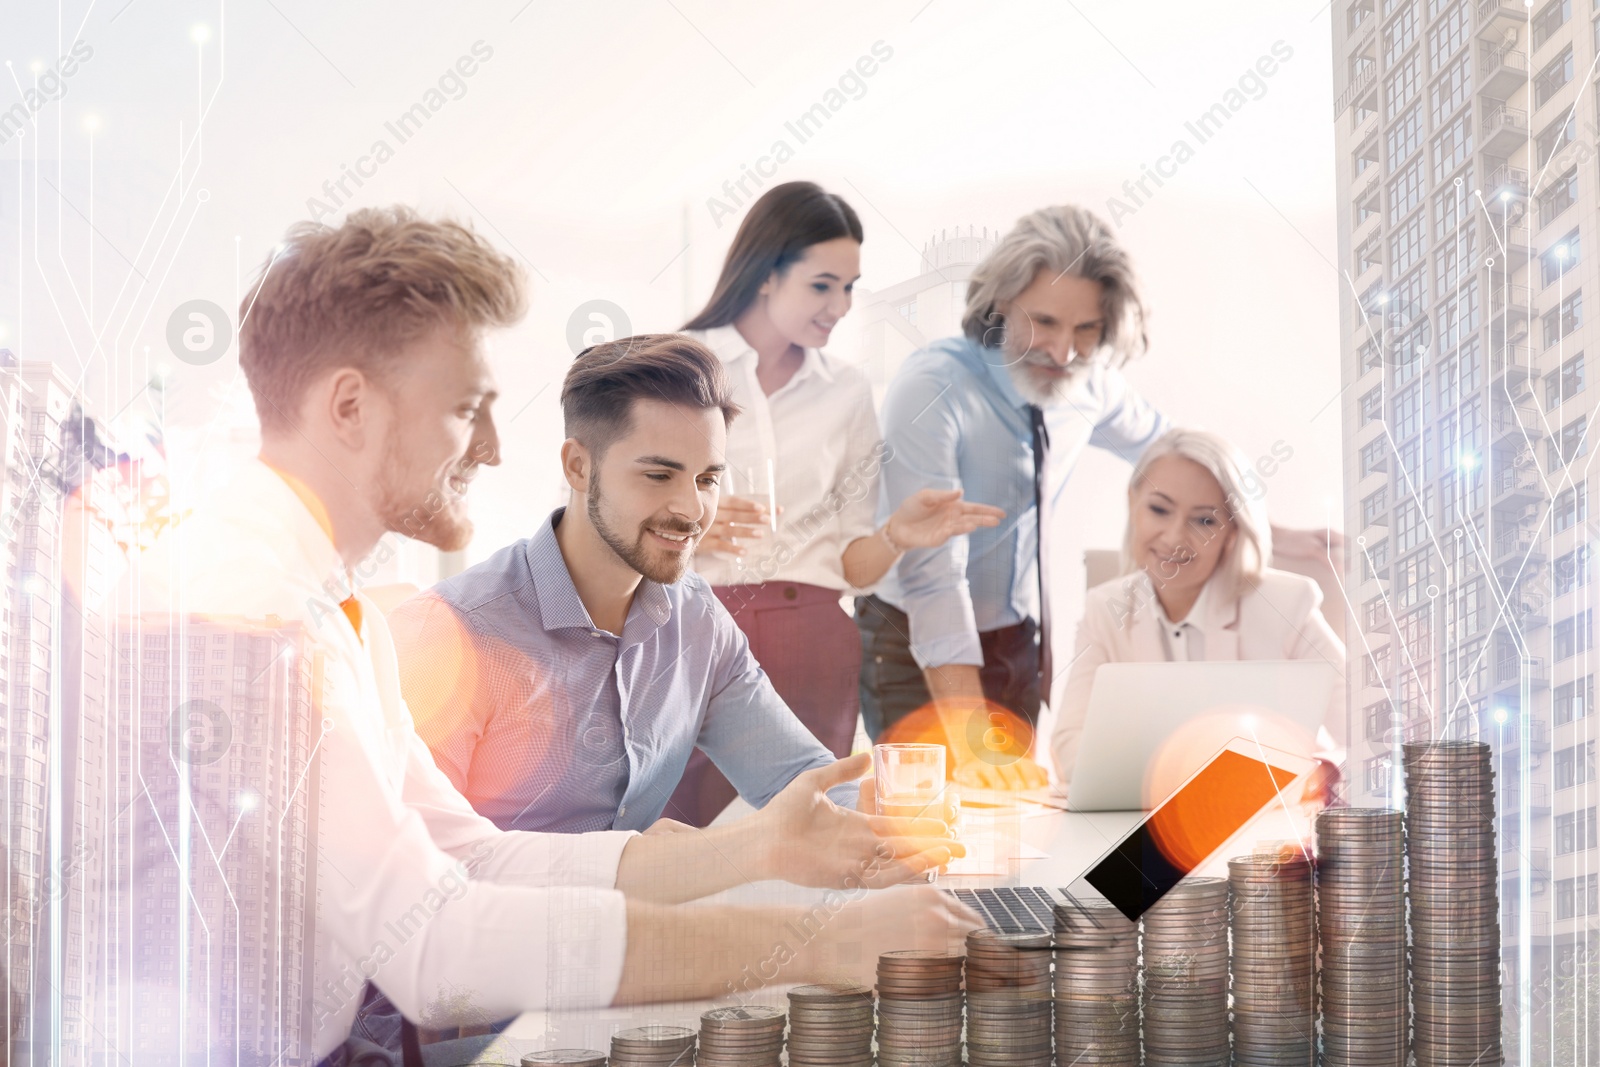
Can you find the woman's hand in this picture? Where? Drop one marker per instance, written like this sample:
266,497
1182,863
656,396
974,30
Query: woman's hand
930,517
738,519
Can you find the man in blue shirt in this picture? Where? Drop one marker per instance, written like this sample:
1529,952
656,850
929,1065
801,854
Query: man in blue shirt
1002,413
563,682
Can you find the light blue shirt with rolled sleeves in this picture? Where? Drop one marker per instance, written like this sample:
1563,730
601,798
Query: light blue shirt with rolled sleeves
953,419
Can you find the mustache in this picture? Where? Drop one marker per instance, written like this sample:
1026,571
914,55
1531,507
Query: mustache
675,526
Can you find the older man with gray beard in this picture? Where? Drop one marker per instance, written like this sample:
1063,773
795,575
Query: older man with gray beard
1002,412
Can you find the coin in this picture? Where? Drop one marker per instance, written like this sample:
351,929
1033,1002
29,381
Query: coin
572,1057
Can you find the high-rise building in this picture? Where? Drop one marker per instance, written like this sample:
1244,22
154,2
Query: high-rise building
1465,135
899,319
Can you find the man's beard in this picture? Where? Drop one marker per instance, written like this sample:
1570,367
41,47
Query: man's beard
1042,393
636,555
430,517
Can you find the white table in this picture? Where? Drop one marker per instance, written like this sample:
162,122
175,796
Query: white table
1071,841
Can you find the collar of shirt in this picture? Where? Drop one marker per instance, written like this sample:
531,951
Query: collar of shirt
731,347
559,605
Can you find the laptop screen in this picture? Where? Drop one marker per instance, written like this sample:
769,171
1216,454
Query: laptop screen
1186,829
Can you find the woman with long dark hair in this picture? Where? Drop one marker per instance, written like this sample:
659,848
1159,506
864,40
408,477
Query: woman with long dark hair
796,523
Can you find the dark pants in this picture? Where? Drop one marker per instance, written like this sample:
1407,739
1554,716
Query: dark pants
804,641
892,685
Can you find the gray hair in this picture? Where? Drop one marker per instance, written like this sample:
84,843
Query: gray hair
1064,240
1240,568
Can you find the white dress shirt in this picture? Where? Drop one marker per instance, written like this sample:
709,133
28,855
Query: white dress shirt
820,435
1124,622
391,830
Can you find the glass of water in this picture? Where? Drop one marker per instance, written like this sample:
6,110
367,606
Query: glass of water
910,783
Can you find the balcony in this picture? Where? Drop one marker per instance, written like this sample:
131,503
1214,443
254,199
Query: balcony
1518,420
1497,16
1538,798
1516,547
1502,70
1510,307
1503,128
1507,179
1517,483
1359,84
1538,736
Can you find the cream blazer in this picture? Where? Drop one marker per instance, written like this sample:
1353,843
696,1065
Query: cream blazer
1281,618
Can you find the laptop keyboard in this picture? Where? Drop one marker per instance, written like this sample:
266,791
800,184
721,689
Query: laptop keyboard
1007,910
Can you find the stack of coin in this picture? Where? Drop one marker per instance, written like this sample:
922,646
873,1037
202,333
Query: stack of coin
1455,925
1008,999
653,1046
1096,986
749,1036
1271,913
919,1009
1185,1001
569,1057
1361,929
830,1026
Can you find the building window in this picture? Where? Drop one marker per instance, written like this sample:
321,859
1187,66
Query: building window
1399,87
1411,577
1409,528
1567,446
1575,832
1374,456
1407,411
1571,507
1448,270
1550,18
1565,383
1459,316
1448,206
908,311
1574,635
1578,896
1375,508
1375,561
1562,194
1378,773
1375,666
1452,89
1451,146
1474,607
1570,571
1554,138
1400,34
1372,405
1560,259
1572,701
1405,246
1404,136
1555,74
1563,321
1447,37
1458,376
1575,766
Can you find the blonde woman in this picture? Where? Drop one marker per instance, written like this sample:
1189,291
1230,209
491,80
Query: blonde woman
1196,586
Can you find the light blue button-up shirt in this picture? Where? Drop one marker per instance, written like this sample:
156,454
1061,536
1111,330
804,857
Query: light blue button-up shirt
953,419
546,722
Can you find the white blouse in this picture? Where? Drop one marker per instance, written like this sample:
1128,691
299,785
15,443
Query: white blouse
818,436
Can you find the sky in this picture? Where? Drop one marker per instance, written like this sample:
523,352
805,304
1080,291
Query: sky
599,144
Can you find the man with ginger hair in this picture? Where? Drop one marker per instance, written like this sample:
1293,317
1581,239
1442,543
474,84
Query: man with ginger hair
362,348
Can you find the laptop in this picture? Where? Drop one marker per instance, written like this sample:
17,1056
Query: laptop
1135,707
1210,811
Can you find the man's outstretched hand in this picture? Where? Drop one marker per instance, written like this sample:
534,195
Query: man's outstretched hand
802,836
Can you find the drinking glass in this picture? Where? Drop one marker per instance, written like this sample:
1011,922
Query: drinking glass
910,783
